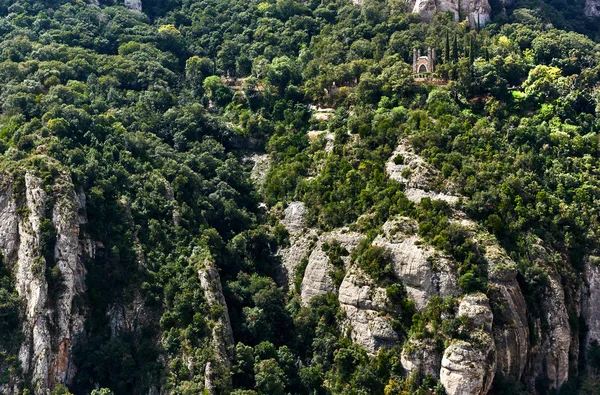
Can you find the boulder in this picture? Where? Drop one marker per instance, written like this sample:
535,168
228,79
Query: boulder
468,369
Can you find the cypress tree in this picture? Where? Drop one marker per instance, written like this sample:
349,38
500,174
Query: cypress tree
455,48
447,49
471,51
487,55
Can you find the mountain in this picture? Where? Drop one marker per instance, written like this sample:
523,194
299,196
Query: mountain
265,198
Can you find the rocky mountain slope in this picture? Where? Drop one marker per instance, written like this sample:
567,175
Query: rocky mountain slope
496,337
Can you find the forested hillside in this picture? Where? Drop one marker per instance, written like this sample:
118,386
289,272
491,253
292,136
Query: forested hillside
225,196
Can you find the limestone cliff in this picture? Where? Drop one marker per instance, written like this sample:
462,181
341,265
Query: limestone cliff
590,294
592,8
511,329
477,12
134,4
469,366
317,280
222,335
52,318
505,338
423,271
365,305
549,356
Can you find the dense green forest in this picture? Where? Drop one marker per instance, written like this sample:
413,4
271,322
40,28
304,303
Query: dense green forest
153,113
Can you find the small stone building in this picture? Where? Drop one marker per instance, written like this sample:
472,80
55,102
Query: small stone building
424,64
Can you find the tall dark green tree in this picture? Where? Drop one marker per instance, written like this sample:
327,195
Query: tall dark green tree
455,48
447,49
471,51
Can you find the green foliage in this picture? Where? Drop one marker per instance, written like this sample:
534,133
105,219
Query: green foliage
269,377
375,261
335,251
62,390
102,391
150,114
10,333
455,240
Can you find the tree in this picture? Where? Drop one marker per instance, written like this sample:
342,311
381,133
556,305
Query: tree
270,378
216,91
196,70
226,57
447,48
170,39
455,48
61,390
102,391
471,51
282,72
543,83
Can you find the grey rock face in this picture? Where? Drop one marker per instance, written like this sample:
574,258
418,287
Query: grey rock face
294,217
213,291
592,8
69,258
477,12
468,367
477,308
50,323
365,305
590,295
134,4
412,263
549,358
511,329
301,239
260,168
554,351
413,171
222,334
317,280
422,356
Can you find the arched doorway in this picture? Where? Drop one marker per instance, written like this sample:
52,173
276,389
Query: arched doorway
423,69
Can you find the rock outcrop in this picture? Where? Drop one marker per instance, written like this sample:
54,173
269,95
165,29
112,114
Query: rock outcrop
423,271
222,334
301,240
406,167
134,4
499,332
468,367
592,8
549,357
317,280
52,319
261,163
294,218
422,356
477,12
511,329
365,306
590,294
